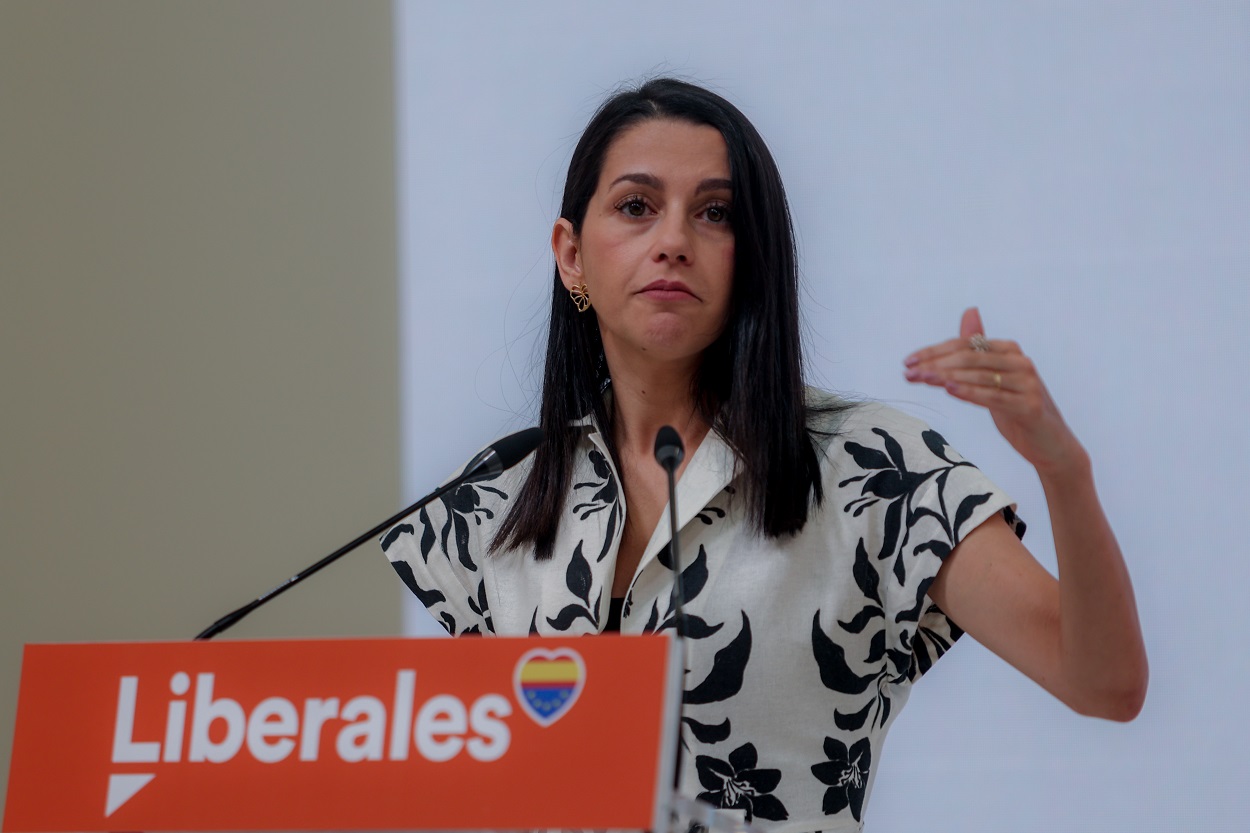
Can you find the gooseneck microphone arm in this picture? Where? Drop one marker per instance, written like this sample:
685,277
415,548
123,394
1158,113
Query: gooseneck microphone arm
669,452
498,457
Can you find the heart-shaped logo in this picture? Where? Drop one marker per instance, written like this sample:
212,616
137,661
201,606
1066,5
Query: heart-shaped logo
548,683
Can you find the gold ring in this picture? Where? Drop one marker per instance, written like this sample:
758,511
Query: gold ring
998,381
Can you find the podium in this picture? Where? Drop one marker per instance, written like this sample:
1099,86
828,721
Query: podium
374,734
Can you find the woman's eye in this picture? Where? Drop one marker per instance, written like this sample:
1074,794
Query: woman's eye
633,207
718,213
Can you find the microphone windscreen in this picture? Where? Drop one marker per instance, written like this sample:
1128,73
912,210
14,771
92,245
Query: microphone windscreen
514,448
668,447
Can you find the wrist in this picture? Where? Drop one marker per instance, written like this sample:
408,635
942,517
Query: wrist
1072,468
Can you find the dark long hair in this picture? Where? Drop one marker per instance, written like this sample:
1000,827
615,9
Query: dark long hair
749,386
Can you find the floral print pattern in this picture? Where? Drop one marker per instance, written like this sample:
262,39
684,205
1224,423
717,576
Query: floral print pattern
737,784
801,650
846,773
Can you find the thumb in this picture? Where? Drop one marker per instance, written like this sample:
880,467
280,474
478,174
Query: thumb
970,324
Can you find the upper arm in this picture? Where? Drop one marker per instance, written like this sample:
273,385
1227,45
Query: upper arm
993,588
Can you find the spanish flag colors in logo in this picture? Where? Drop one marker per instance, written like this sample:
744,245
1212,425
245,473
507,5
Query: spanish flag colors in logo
547,683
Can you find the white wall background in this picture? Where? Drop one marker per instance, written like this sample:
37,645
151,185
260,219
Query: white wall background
1078,170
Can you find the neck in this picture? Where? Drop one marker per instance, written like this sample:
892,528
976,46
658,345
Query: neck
647,398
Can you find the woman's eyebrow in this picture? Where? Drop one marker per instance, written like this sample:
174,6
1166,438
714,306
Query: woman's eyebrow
652,181
641,179
714,185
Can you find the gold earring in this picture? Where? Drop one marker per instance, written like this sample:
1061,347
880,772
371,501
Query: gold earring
581,297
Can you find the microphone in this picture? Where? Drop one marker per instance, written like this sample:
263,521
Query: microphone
502,455
499,456
669,451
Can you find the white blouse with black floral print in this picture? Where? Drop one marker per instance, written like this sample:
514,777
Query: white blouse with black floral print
802,648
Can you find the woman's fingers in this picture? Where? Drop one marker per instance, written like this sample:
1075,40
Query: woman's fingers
970,324
985,378
996,375
998,370
935,351
988,396
1002,362
974,368
957,346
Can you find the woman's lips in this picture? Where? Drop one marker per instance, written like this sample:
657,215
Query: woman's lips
667,291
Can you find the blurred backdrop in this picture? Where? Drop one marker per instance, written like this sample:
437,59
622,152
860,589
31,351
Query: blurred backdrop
198,335
272,269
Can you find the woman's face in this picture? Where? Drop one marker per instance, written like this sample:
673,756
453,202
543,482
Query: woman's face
656,249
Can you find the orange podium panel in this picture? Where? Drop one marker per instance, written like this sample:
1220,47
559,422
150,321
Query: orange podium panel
379,734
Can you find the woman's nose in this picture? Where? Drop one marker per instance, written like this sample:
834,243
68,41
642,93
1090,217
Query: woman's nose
673,240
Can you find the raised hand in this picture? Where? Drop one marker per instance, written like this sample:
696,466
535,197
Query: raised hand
998,376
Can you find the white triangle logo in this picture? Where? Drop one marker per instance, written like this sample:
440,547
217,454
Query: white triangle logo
123,787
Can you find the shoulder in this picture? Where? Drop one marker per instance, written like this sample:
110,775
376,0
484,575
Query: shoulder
460,523
480,507
867,434
877,452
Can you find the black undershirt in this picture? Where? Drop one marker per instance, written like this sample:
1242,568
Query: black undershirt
615,609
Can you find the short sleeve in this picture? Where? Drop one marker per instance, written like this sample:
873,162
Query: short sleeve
953,505
438,553
924,499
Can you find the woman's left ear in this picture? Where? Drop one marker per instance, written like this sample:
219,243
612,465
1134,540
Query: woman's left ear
564,245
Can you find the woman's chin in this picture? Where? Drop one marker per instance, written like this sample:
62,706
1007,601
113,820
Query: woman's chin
665,338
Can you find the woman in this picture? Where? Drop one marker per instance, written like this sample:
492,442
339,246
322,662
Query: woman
829,548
